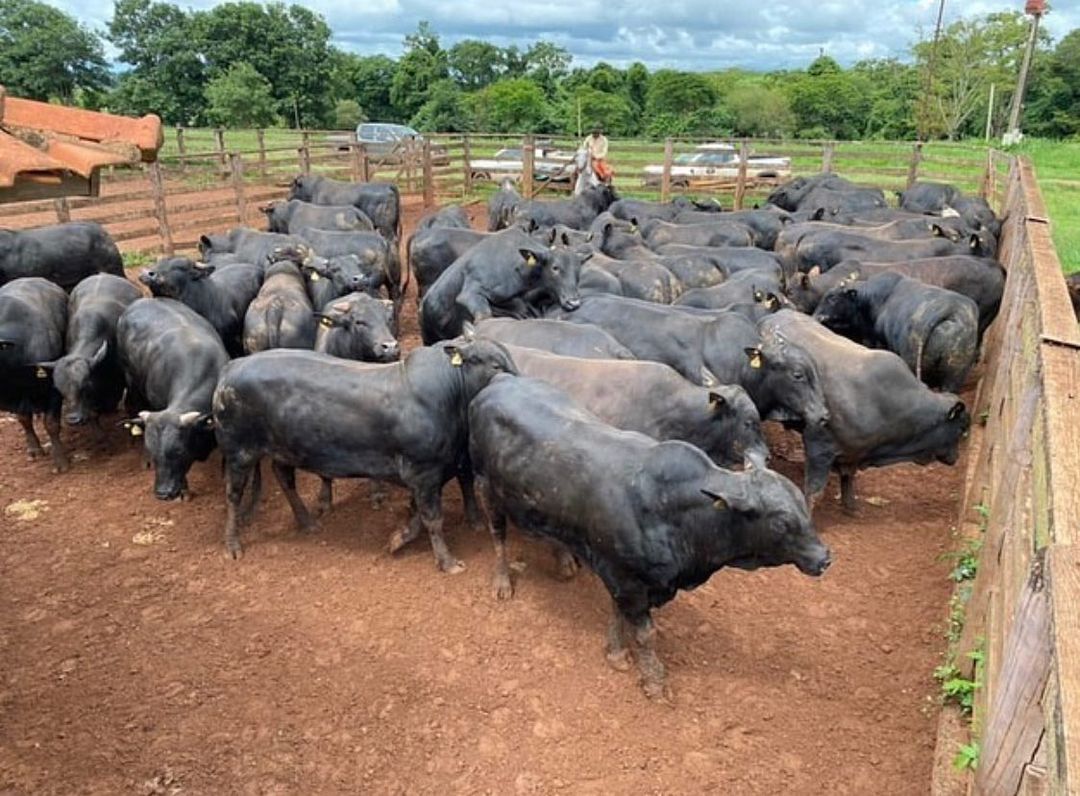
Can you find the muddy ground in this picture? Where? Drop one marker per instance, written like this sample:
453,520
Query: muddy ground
134,658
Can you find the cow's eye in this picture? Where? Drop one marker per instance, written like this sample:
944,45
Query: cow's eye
555,270
799,375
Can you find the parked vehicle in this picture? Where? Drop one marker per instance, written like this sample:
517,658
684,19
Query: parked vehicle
718,160
548,165
387,143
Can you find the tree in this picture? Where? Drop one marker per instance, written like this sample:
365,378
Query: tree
240,97
597,107
369,80
423,64
894,90
348,114
971,55
288,45
515,105
757,110
45,54
547,64
829,102
1053,103
475,64
678,93
444,110
637,85
167,74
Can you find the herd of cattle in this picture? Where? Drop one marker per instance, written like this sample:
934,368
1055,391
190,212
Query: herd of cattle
601,367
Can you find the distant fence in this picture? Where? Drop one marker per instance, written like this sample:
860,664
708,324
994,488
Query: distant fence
207,180
1024,479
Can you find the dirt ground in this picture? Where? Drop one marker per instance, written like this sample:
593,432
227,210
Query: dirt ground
135,659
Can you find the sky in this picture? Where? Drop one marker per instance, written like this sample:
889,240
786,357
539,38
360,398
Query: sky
683,34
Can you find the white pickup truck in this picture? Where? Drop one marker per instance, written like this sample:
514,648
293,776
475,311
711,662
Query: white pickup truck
718,161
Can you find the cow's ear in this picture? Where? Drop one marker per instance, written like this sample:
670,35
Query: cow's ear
937,230
758,296
468,331
565,239
818,214
804,281
974,242
324,320
708,378
815,271
717,401
771,302
634,225
7,345
48,367
755,357
204,241
529,257
587,256
957,410
453,353
135,425
719,501
552,236
99,355
851,293
203,270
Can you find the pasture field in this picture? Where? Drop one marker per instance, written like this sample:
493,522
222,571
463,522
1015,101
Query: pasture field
1057,164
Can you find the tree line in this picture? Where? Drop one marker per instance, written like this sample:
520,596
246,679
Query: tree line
247,64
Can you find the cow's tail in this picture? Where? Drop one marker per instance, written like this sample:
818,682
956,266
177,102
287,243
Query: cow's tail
919,356
408,267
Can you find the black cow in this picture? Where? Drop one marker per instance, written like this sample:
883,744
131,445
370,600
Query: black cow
580,340
691,269
721,232
502,269
33,317
576,213
718,348
171,357
88,375
281,315
405,423
449,217
743,287
638,210
380,201
649,518
372,249
61,253
935,331
826,248
221,295
246,245
764,224
879,413
935,198
729,259
502,205
827,192
656,401
292,215
648,280
431,251
980,279
1072,282
357,326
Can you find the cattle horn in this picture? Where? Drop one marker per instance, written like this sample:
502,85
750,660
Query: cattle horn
468,331
189,419
708,378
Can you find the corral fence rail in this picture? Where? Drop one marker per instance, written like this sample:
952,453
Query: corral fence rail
206,180
1021,497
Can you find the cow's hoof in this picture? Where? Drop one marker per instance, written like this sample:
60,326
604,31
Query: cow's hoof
61,467
34,453
398,539
233,551
309,527
501,587
452,566
619,660
656,690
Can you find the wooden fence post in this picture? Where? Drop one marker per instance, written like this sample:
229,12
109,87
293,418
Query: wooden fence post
429,176
365,164
984,189
181,146
63,209
236,164
527,165
157,186
665,176
219,136
305,159
827,157
260,136
467,185
913,167
740,181
355,166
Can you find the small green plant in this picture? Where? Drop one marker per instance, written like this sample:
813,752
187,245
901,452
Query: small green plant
967,758
959,689
137,259
984,417
966,561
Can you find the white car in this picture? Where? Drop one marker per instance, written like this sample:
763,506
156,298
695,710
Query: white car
547,165
718,160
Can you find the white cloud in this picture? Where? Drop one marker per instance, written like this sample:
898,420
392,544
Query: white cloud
694,34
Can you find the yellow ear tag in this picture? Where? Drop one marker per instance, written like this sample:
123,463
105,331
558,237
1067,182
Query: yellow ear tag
633,228
41,373
755,361
136,431
326,322
719,504
772,303
531,261
314,276
456,360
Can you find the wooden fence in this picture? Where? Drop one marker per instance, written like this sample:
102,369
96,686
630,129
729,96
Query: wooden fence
209,180
1022,497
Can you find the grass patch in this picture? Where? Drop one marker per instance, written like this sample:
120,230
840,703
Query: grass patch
1057,164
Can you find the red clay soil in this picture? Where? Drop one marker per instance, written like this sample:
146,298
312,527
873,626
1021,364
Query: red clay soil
134,658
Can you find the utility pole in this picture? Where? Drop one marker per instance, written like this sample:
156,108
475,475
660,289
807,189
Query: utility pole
931,63
1036,8
990,112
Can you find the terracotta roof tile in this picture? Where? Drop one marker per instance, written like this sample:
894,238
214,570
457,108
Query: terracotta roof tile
40,142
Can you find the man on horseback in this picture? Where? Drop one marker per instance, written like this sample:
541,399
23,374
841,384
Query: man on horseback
597,147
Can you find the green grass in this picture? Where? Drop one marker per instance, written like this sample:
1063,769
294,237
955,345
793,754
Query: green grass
1057,164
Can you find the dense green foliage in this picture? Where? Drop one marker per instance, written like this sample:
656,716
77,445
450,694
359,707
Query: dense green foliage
244,63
